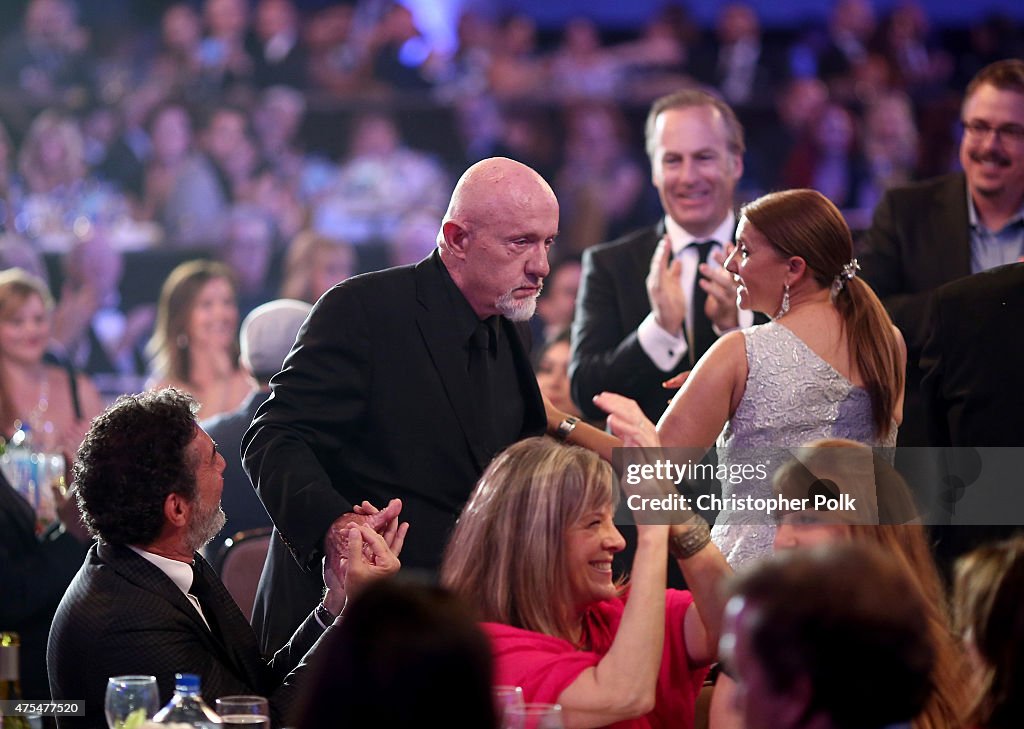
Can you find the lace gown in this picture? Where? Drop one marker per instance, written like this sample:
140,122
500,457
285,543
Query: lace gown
792,397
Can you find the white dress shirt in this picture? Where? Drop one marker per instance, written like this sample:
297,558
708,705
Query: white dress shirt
180,573
667,349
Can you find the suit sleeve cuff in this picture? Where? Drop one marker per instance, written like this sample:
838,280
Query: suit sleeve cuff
663,349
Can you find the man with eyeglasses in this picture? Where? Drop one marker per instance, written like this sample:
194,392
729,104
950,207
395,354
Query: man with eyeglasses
927,234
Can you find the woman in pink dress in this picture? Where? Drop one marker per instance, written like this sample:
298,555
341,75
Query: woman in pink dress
532,552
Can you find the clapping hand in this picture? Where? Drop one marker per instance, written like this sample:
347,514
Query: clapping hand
720,306
665,289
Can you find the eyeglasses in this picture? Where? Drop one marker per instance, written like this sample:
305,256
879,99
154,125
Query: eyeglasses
1006,132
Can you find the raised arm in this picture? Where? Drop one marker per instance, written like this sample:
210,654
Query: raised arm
622,685
709,397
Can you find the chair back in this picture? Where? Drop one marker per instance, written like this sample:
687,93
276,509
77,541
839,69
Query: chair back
240,562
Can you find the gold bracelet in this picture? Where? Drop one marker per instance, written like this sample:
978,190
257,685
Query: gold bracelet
688,543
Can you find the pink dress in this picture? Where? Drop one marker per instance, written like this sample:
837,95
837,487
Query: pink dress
545,666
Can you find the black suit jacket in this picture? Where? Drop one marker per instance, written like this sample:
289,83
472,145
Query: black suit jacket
123,615
373,403
34,572
612,302
973,358
919,239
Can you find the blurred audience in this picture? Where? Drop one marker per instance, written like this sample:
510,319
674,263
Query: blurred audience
195,344
827,158
91,331
10,182
180,188
380,180
890,144
581,68
921,67
249,252
224,58
737,61
16,252
55,403
49,62
400,57
279,54
315,263
178,62
277,121
851,27
61,198
337,62
516,71
601,182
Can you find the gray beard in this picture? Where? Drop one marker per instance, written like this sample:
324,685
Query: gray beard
204,527
516,309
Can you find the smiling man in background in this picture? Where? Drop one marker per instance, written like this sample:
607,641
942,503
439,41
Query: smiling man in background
930,233
641,315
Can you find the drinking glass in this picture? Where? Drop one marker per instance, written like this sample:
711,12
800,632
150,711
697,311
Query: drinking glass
251,711
504,697
130,701
534,716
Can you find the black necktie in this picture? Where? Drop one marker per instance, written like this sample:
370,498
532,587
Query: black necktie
482,347
203,591
703,335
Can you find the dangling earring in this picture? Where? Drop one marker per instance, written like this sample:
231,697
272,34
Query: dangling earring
182,341
785,302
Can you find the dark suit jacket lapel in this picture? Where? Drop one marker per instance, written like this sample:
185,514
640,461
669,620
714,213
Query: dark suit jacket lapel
446,351
237,634
148,576
951,230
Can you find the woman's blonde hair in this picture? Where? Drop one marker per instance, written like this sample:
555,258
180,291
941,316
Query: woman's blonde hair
300,260
904,539
987,588
806,224
169,346
507,556
63,129
16,287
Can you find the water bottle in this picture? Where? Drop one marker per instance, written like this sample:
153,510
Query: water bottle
187,705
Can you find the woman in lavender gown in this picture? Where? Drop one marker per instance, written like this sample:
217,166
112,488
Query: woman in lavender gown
829,365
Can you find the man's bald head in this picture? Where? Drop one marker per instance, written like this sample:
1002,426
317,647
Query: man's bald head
494,238
496,186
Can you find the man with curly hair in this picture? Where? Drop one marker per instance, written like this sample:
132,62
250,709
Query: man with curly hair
149,484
